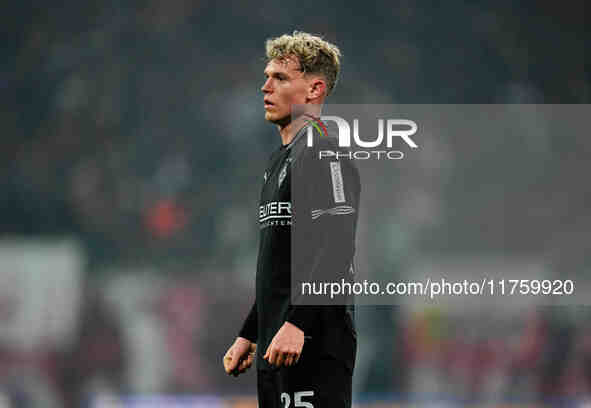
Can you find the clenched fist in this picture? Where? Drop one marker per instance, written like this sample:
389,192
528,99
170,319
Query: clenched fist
239,356
286,346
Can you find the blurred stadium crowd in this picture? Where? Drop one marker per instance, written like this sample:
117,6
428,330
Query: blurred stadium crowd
135,131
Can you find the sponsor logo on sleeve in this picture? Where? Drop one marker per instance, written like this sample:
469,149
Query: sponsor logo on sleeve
338,188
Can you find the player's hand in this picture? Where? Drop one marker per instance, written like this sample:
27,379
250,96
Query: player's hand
286,346
239,356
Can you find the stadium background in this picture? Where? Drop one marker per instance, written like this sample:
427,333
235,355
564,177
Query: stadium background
133,146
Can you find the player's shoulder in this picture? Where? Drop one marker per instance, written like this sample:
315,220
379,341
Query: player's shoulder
316,148
323,138
313,139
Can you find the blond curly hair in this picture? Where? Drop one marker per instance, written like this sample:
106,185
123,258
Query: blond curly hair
316,56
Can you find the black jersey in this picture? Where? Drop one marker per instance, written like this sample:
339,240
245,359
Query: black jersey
313,202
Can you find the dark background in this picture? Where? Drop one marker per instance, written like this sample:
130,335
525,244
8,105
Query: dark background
136,130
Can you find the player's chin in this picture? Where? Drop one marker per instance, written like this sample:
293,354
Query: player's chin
271,116
277,119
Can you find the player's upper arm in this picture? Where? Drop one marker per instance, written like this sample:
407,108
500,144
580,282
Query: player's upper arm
330,186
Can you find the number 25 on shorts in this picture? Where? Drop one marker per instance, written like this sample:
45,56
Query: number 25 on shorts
297,399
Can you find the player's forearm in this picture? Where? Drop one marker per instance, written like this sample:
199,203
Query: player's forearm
304,317
328,259
249,329
328,256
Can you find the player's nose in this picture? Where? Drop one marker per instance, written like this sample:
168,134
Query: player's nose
266,86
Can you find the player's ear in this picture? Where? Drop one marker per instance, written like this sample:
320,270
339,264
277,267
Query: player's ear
317,88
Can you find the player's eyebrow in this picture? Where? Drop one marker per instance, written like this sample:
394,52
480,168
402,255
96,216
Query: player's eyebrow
276,74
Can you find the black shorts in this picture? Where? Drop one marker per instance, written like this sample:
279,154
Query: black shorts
317,383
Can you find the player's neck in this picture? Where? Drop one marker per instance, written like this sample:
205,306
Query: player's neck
290,130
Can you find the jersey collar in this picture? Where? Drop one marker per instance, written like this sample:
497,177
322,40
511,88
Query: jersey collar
297,137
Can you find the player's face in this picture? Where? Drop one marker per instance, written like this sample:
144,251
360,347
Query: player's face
285,86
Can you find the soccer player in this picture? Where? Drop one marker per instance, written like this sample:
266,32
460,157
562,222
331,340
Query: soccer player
305,354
